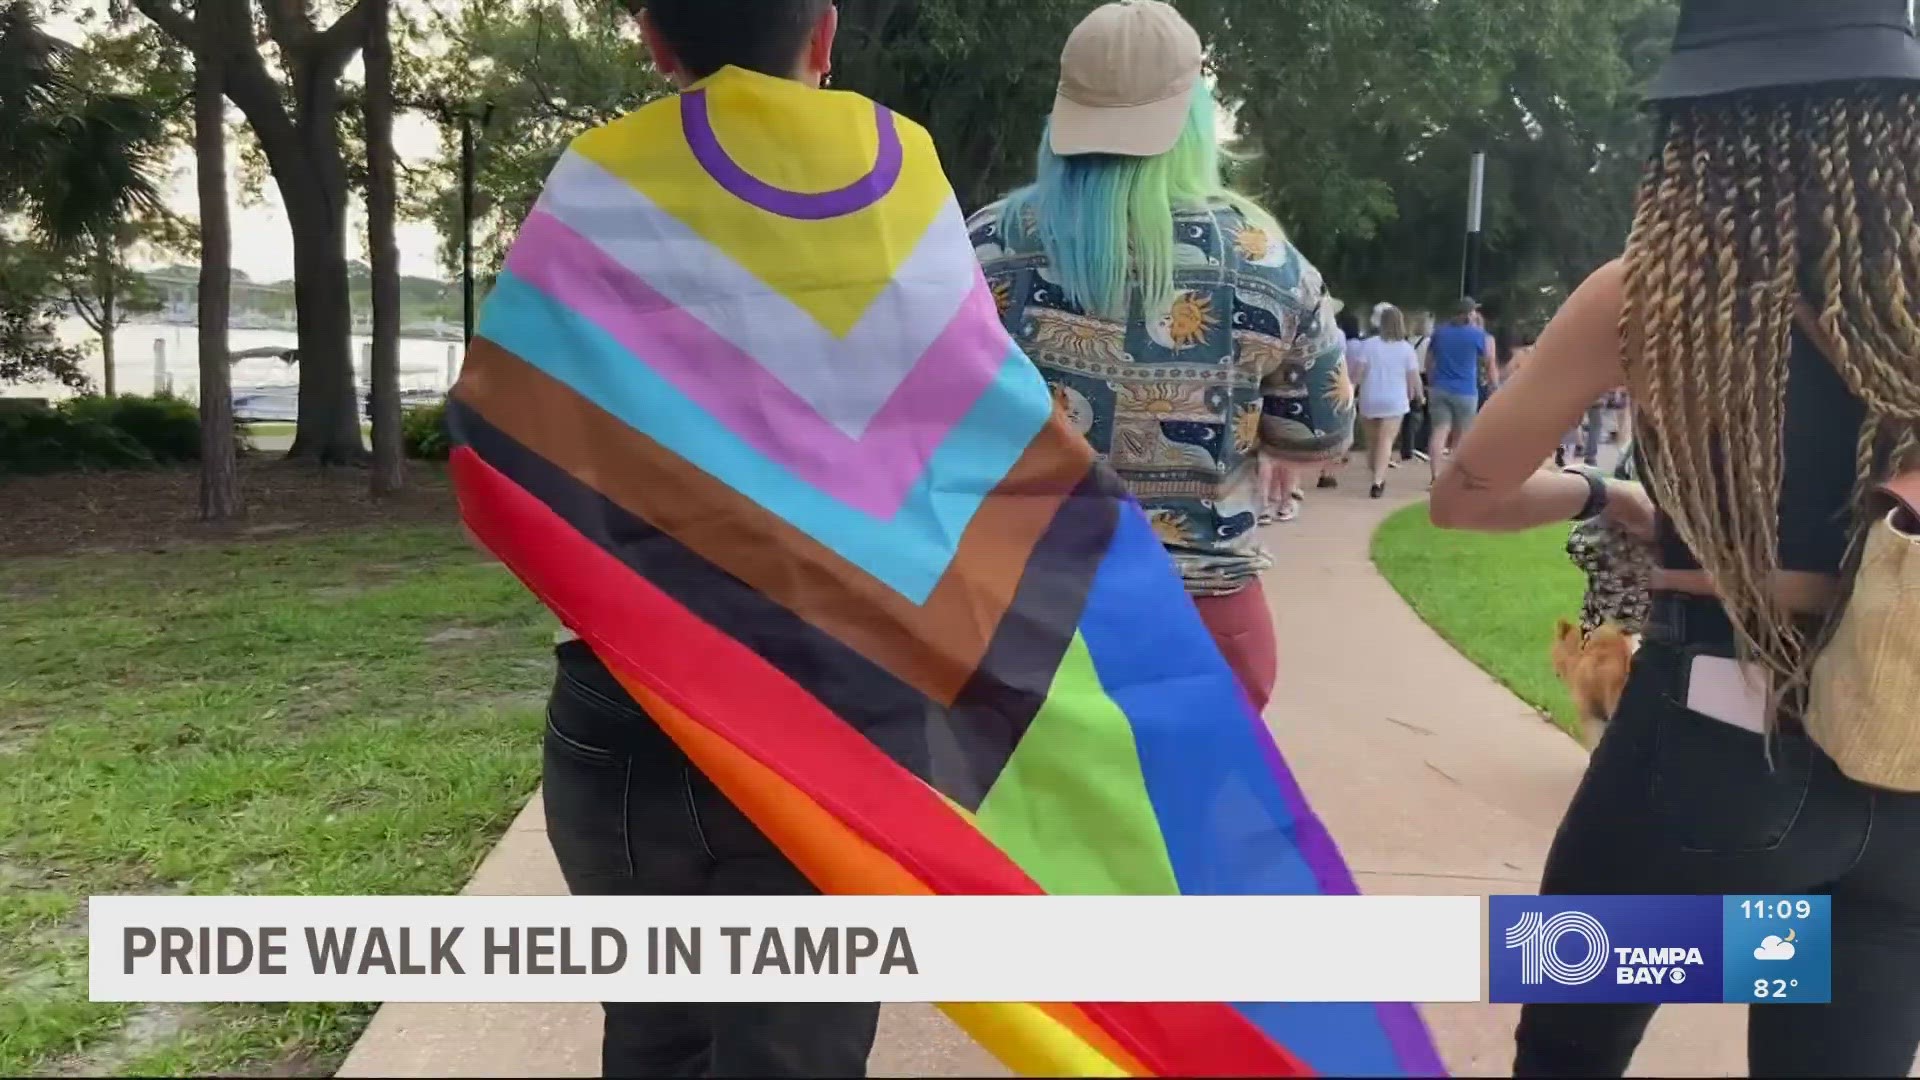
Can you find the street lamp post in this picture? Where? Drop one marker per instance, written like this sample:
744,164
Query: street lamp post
1470,257
464,114
466,226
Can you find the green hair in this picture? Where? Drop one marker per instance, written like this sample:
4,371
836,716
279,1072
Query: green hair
1091,210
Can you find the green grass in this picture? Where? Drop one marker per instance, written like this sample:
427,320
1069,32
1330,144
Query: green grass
1493,597
341,715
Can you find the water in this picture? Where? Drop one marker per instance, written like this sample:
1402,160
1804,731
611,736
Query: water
263,388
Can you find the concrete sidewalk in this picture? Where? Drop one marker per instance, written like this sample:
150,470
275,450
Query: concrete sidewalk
1433,778
428,1040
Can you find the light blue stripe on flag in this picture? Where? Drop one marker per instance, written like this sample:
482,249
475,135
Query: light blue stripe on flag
908,553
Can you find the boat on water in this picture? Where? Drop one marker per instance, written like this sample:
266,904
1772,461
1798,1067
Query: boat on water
281,404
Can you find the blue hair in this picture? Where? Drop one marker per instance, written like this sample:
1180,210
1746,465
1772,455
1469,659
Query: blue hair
1106,220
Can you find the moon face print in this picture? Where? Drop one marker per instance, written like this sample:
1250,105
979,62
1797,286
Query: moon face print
1073,407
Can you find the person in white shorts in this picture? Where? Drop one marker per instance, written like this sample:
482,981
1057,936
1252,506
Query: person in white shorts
1386,371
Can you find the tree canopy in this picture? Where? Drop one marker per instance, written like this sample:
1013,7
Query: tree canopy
87,136
1364,152
1359,116
1356,117
532,74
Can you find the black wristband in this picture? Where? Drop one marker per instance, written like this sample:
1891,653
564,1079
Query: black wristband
1596,502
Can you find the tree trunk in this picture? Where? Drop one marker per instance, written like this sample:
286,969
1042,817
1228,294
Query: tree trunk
389,457
303,153
219,468
328,423
106,355
297,131
106,285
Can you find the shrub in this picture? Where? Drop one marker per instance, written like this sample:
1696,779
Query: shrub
93,433
169,427
423,432
35,441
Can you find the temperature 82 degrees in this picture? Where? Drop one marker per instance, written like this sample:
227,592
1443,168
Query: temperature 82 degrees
1777,950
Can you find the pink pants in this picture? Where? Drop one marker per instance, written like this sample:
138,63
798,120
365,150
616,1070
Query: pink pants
1243,629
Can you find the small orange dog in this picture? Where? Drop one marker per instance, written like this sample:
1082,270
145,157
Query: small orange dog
1595,671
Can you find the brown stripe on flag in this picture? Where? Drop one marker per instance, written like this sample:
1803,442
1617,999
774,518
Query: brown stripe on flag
934,647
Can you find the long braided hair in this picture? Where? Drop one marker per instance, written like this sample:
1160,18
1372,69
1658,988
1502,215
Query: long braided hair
1755,212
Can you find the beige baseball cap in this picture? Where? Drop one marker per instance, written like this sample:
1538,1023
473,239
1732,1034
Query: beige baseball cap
1127,75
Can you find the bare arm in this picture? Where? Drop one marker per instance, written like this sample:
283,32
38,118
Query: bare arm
1492,484
1489,363
1414,390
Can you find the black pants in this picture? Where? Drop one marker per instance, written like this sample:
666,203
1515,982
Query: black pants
629,815
1675,802
1415,429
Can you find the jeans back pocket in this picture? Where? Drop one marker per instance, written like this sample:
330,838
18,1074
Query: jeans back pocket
1714,789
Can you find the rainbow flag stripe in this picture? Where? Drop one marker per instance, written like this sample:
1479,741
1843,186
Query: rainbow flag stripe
741,412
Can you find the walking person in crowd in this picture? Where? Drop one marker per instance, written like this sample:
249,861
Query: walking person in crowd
1459,359
1355,337
1283,492
1491,375
1351,335
1766,319
1128,259
1413,433
1387,377
628,812
1621,406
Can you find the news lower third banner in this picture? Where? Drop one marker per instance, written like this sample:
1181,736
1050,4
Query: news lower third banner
1666,949
787,948
1568,949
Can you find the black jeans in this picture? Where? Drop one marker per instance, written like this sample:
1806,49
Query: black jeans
629,815
1675,802
1415,429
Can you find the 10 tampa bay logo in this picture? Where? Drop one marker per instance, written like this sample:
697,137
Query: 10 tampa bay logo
1571,948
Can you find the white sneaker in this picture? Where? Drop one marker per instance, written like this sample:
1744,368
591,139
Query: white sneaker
1422,455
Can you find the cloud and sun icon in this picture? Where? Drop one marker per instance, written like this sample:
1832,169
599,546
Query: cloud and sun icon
1775,947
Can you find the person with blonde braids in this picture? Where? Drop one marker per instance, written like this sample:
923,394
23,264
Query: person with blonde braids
1766,320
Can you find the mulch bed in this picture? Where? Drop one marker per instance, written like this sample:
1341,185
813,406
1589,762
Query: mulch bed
81,513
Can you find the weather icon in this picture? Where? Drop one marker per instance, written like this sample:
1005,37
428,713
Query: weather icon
1775,947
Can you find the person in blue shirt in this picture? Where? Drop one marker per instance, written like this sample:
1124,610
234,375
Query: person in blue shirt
1459,359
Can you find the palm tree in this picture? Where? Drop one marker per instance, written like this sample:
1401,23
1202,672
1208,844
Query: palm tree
32,81
82,166
79,163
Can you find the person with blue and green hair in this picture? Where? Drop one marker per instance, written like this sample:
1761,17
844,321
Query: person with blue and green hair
1177,328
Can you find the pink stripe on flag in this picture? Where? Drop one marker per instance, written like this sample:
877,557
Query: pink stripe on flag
873,473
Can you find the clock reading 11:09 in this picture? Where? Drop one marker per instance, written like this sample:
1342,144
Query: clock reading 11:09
1775,909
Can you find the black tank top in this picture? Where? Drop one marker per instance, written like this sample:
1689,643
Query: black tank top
1822,437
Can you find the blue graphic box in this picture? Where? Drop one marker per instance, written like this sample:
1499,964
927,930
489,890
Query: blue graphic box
1658,949
1779,949
1605,948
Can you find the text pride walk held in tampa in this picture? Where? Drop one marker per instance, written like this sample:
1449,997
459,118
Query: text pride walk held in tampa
742,413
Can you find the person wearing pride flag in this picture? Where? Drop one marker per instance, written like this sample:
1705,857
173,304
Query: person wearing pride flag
851,605
627,811
1177,329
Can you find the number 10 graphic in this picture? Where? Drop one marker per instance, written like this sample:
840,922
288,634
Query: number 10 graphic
1538,939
